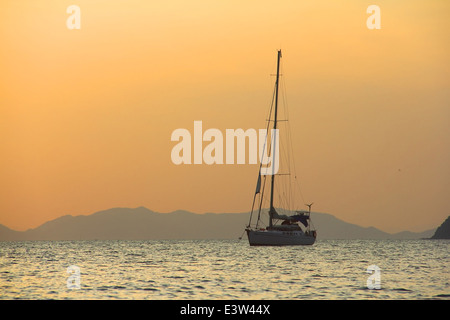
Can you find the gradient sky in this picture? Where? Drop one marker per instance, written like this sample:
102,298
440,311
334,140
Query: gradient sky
86,115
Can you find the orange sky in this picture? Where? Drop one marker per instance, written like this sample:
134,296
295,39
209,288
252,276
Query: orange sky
86,115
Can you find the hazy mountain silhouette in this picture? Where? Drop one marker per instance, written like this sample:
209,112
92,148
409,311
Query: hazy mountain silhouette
142,223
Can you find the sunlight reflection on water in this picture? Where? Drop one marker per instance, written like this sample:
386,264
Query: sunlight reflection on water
224,269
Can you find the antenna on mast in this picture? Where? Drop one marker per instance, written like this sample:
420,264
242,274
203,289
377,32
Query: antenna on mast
309,206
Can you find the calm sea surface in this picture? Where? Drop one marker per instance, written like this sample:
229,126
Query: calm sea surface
224,269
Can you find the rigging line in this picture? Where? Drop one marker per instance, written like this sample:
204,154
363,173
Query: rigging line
240,238
287,151
250,220
265,176
286,185
291,142
270,112
263,153
260,165
269,148
261,201
288,192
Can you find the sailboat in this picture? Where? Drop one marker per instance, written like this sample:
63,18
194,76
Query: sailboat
283,227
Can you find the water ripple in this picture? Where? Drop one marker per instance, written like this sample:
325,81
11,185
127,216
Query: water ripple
333,269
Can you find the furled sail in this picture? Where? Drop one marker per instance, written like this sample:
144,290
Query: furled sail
258,184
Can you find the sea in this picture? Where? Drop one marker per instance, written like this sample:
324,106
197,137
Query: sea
224,269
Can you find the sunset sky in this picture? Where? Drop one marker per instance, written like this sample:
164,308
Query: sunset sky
86,115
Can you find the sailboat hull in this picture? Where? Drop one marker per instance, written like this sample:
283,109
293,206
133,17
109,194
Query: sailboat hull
278,238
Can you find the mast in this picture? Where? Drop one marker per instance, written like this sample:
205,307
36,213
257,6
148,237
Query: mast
272,209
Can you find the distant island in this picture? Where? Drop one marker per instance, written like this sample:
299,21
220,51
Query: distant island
142,224
443,231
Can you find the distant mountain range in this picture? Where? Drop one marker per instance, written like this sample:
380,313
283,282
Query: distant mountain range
142,223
